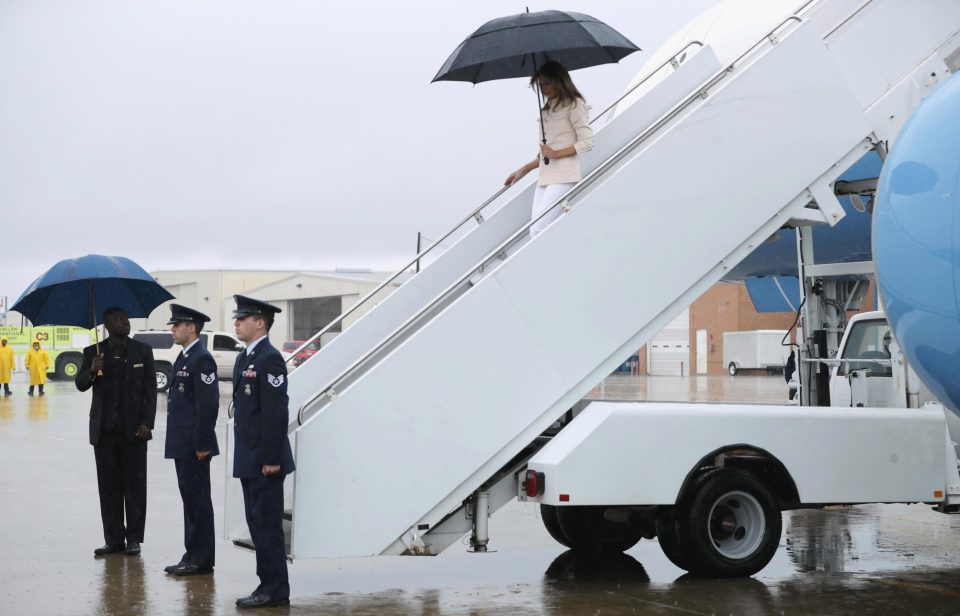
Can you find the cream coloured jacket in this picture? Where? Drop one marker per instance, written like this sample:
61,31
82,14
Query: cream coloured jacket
567,125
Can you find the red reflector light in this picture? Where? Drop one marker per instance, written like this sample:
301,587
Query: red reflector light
533,483
564,498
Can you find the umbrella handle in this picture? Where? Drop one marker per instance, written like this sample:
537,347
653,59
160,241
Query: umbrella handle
93,319
536,92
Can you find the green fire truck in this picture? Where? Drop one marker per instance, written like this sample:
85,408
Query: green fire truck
64,345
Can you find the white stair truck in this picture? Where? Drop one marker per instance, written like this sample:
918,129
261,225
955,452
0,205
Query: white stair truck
417,422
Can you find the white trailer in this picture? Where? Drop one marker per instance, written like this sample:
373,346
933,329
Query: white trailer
760,349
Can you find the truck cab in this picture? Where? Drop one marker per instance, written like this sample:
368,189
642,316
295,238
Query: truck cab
870,370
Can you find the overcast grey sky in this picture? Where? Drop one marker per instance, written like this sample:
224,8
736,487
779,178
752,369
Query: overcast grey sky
239,133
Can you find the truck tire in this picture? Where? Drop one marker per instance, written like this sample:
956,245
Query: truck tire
669,533
668,537
162,369
732,369
68,364
548,513
730,526
586,528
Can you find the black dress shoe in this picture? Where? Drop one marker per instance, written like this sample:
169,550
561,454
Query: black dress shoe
133,548
260,600
189,569
250,596
108,549
172,568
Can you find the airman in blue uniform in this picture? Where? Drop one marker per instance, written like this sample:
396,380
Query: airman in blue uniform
262,458
192,405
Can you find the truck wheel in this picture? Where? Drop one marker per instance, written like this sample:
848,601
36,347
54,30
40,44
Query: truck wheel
669,533
732,369
548,513
667,536
162,369
586,528
731,526
68,364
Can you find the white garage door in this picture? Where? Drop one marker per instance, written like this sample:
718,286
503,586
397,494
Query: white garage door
669,351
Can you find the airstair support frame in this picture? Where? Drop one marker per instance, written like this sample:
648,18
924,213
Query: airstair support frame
529,347
797,210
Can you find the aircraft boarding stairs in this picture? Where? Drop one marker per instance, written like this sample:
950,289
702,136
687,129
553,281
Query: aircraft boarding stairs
415,420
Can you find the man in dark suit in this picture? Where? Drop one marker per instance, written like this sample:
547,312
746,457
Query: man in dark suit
262,458
122,410
191,442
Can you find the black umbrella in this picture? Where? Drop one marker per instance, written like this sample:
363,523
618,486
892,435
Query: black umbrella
515,46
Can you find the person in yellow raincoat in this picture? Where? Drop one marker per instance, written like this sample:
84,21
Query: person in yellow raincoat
37,363
7,364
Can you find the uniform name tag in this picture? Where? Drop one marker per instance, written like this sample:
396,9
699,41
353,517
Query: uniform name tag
138,365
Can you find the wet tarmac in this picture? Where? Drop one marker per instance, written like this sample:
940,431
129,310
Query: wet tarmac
865,560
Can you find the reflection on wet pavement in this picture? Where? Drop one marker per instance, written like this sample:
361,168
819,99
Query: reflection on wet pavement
871,559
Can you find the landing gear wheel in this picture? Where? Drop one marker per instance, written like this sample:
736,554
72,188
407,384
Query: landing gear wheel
586,528
731,527
548,513
732,369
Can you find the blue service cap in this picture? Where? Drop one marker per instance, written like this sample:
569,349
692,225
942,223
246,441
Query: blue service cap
247,306
180,313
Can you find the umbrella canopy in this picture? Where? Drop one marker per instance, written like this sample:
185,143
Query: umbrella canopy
514,46
75,291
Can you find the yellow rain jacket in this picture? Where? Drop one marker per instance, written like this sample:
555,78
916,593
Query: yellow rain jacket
37,363
7,362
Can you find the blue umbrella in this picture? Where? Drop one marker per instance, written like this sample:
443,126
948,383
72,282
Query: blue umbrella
75,291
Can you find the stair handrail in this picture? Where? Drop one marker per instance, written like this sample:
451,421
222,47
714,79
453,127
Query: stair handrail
700,93
476,213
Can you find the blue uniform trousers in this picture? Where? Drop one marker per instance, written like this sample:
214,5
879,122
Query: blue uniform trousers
263,503
199,536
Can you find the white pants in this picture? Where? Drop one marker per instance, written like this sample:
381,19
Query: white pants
544,197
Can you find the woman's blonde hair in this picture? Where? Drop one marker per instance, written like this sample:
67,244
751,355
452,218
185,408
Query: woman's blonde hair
555,73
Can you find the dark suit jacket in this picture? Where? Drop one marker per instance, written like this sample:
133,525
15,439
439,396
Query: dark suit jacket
139,404
260,416
192,405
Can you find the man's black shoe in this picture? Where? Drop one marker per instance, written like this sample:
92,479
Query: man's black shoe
189,569
259,600
172,568
133,548
108,549
256,591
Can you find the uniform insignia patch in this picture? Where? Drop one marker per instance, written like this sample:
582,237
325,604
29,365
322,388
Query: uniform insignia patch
208,378
182,387
276,381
